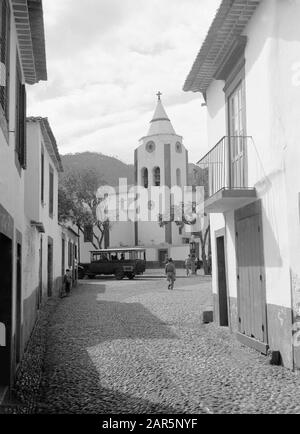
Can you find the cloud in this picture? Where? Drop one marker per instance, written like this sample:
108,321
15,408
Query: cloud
106,61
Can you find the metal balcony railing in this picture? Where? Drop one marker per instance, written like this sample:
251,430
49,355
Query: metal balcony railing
225,165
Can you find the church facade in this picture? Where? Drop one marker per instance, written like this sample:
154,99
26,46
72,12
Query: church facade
160,167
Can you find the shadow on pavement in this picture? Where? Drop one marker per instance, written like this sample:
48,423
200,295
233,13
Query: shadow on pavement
75,383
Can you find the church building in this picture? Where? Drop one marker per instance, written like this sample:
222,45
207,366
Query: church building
160,162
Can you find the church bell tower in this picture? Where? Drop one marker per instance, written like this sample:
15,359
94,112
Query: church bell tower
160,160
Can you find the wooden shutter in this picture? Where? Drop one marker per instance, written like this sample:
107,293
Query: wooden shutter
23,144
42,176
51,191
4,54
20,126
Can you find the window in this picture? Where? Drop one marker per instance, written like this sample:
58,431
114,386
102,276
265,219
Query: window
178,177
51,191
156,176
150,147
42,176
88,234
4,56
145,180
70,255
237,135
20,127
178,147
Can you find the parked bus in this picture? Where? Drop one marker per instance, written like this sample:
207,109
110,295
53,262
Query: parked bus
121,262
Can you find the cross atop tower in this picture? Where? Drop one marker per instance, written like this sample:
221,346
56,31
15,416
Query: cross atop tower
159,94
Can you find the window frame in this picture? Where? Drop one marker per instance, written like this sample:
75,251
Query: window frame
51,191
42,183
5,32
20,120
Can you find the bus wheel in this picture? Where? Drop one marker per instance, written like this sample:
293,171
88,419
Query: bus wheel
131,276
119,275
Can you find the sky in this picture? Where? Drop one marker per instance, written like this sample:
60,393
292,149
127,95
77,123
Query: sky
106,61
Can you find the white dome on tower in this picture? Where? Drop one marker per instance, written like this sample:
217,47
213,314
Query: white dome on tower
160,123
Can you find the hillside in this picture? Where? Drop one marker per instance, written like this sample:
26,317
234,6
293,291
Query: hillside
110,169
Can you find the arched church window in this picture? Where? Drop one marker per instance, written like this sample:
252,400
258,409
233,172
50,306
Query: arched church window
156,177
145,180
178,147
178,177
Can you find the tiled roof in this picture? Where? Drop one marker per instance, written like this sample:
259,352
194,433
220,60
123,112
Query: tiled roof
228,25
49,140
28,15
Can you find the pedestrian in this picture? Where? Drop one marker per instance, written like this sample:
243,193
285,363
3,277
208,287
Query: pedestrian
188,264
193,265
199,264
171,273
67,282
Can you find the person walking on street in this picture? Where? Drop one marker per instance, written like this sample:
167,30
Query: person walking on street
67,282
198,264
188,264
171,273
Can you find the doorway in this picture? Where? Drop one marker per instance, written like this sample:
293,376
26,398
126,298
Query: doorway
19,304
50,267
6,269
40,291
162,257
250,274
63,253
222,282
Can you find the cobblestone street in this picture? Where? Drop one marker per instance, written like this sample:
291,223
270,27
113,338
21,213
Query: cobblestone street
135,347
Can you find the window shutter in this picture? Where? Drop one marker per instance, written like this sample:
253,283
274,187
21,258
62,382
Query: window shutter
88,234
23,127
51,191
4,55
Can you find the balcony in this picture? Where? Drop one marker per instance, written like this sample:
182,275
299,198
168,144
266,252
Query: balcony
225,175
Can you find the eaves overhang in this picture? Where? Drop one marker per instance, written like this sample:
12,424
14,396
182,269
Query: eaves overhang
50,141
224,34
38,225
29,21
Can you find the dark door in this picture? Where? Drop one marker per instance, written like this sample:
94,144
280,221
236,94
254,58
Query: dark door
250,277
50,268
63,258
5,308
162,257
19,304
222,286
40,292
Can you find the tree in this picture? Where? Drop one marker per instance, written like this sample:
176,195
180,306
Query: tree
187,216
200,178
78,202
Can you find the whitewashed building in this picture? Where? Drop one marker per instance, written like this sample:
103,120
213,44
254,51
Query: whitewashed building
42,234
249,74
22,62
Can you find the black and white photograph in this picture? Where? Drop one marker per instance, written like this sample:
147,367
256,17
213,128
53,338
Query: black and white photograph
149,211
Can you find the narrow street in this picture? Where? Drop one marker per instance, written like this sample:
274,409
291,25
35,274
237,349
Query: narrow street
135,347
